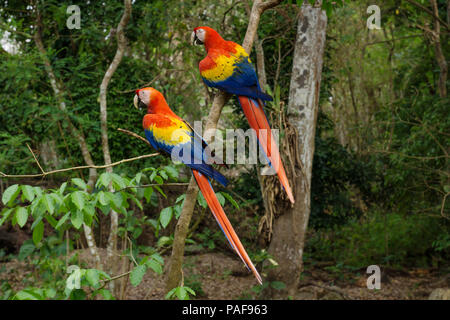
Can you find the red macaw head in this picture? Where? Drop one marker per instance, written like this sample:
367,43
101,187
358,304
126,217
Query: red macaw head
204,35
150,99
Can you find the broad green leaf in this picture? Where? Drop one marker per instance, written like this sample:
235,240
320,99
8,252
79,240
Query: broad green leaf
28,192
180,198
47,200
80,183
104,180
182,293
104,201
62,188
163,174
6,214
106,294
118,181
158,258
26,249
138,177
148,193
10,194
29,294
221,198
171,171
62,220
137,274
51,220
38,232
92,276
78,199
21,216
50,293
37,191
165,216
201,200
162,241
170,294
77,218
154,265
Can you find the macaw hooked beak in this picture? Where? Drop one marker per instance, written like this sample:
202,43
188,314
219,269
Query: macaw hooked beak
136,101
195,40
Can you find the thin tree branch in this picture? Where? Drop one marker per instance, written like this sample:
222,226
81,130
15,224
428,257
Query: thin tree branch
418,5
4,175
134,135
35,159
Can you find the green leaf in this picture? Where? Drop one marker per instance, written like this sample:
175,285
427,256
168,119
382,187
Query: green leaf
62,188
62,220
118,182
21,216
10,194
201,200
221,198
29,294
182,293
160,191
92,276
104,180
165,216
80,183
77,218
48,203
6,214
148,193
162,241
51,220
38,232
106,294
171,171
137,274
154,265
170,294
28,192
102,198
138,177
230,198
180,198
78,199
26,249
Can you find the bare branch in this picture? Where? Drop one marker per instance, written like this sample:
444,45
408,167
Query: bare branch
4,175
134,135
418,5
35,159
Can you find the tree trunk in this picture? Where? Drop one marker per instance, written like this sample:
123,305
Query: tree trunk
290,227
440,57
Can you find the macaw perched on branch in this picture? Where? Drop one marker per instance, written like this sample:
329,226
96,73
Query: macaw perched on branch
227,67
169,133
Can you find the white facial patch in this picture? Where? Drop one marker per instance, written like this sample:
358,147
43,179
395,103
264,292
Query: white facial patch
144,95
200,34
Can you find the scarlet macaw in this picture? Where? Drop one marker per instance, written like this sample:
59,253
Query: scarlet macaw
227,67
166,131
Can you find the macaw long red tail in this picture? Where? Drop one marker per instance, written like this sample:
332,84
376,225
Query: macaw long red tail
222,220
258,121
